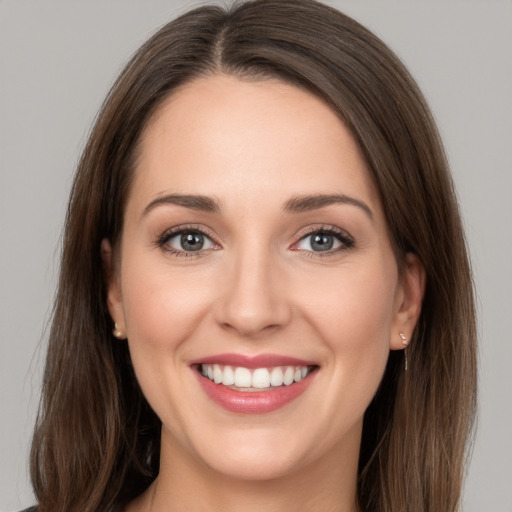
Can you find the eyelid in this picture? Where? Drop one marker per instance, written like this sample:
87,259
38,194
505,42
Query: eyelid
343,236
346,240
174,231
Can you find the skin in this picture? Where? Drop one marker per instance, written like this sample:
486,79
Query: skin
257,287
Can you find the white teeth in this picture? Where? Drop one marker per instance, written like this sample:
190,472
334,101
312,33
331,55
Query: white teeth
217,374
259,378
276,376
288,375
242,377
229,376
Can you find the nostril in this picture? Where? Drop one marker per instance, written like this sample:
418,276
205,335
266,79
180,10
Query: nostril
251,328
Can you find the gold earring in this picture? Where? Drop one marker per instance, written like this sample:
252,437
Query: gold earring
118,333
405,343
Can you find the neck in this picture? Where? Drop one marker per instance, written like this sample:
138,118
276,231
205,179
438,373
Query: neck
185,483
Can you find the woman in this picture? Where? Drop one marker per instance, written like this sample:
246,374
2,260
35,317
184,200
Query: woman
265,299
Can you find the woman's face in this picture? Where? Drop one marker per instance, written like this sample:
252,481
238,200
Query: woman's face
255,251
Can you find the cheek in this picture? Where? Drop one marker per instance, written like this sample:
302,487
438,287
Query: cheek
357,329
162,309
355,306
161,306
353,315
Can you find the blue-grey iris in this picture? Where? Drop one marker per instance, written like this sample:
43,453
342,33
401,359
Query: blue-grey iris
322,242
192,241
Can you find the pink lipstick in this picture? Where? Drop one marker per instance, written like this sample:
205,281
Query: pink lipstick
253,384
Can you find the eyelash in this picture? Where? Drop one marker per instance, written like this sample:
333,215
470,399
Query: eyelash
347,242
179,230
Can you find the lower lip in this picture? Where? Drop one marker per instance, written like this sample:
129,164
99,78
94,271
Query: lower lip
253,402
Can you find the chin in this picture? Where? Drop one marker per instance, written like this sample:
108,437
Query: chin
247,452
254,464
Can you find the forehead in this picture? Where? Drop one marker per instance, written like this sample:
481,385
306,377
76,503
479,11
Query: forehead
230,138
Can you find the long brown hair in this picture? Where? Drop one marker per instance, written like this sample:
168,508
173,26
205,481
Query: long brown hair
96,443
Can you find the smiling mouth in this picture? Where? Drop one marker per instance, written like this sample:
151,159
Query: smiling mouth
253,384
254,379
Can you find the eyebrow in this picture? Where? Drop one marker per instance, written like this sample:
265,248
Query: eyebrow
306,203
297,204
191,201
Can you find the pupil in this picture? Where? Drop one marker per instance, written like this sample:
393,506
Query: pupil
322,242
192,241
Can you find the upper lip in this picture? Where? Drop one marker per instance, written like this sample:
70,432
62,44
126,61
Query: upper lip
257,361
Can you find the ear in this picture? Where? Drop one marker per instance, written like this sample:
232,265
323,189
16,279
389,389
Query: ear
408,301
114,300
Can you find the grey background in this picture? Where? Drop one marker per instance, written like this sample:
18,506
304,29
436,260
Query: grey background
57,61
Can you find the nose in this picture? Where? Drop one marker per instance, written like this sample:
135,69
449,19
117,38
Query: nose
253,301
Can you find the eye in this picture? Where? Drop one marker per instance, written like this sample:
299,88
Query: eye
185,241
324,240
